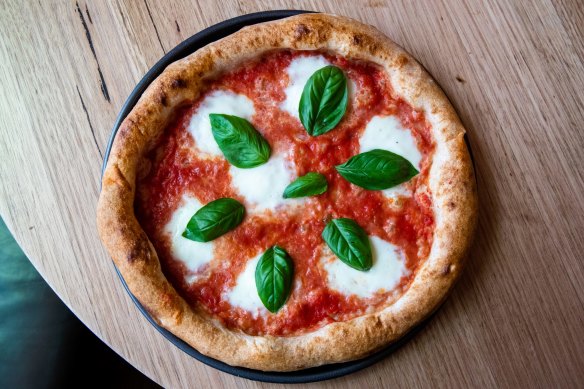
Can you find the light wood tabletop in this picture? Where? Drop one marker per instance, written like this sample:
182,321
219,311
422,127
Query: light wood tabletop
513,70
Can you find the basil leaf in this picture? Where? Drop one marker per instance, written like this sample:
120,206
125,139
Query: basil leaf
239,141
377,169
308,185
214,219
349,242
324,100
273,277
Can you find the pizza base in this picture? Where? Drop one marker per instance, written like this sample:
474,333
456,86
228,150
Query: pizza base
451,182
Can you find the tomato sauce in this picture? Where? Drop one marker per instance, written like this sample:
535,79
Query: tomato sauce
407,222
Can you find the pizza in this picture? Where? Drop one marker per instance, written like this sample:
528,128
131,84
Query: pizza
296,194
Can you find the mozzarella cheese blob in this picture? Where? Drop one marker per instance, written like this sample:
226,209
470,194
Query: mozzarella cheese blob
223,102
244,294
299,71
385,274
263,186
387,133
193,254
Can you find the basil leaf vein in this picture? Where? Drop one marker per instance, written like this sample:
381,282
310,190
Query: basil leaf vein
242,145
377,169
349,242
324,100
273,277
310,184
214,219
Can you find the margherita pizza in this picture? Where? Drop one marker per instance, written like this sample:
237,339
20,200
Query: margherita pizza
296,194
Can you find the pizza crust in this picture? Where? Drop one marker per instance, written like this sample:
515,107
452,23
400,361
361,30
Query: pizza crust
451,182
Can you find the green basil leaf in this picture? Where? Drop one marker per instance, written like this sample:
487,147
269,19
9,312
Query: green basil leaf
214,219
377,169
273,277
239,141
324,100
349,242
310,184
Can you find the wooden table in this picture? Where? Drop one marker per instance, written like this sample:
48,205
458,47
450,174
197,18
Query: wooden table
514,72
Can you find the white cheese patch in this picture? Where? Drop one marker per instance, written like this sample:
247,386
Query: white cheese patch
299,71
244,294
193,254
224,102
388,268
263,186
352,88
387,133
397,191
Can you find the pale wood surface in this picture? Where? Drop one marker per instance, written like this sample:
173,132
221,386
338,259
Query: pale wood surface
513,70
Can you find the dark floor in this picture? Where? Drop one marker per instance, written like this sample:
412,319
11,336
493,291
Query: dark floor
42,344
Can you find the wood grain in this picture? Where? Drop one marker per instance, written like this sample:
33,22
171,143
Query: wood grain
513,70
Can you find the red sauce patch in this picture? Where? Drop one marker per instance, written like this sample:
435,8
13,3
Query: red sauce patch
177,169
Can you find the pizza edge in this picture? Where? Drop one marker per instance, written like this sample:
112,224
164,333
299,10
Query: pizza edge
452,184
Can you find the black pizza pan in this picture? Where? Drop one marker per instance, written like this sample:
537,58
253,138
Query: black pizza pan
320,373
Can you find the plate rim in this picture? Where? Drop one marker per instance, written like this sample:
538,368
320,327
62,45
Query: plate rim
313,374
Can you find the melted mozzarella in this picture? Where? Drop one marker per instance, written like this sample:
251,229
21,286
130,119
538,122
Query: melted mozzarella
386,132
244,294
193,254
299,71
224,102
397,191
263,186
388,268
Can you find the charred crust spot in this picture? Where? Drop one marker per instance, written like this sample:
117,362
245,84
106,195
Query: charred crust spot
401,61
162,99
357,40
140,251
300,31
451,205
133,256
373,48
178,83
